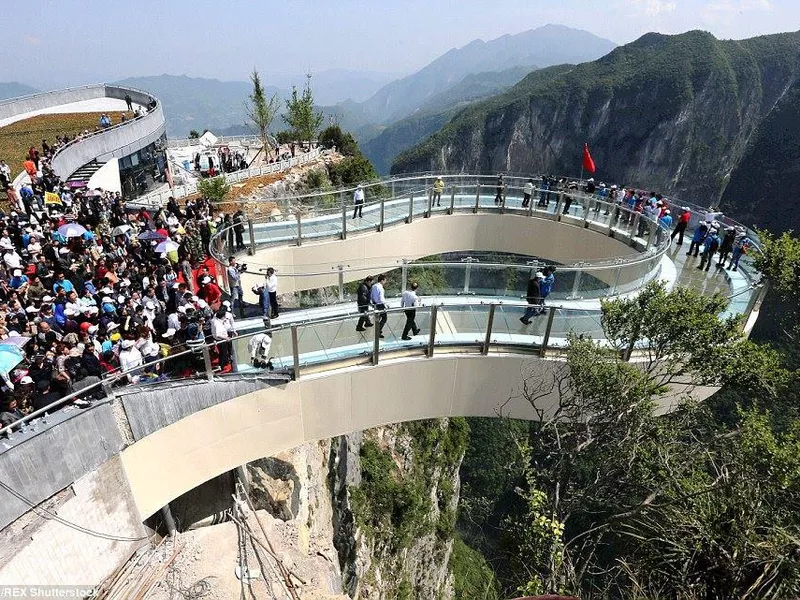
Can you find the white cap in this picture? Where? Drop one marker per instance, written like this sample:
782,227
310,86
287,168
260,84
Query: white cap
63,250
202,303
112,326
149,305
32,309
539,274
182,309
26,380
126,343
107,290
169,332
121,299
47,299
92,329
206,279
17,272
227,303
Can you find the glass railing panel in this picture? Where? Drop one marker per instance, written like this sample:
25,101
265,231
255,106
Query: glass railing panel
602,212
507,329
332,340
395,327
584,323
509,281
280,351
461,324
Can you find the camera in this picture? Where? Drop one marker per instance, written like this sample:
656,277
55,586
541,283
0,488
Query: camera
241,267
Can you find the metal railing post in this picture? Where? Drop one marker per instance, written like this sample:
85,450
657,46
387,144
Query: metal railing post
547,331
295,353
404,274
432,334
634,228
559,204
430,203
383,209
341,282
651,234
589,205
344,215
207,363
452,199
616,281
467,270
252,233
376,341
488,338
299,230
576,286
477,197
410,208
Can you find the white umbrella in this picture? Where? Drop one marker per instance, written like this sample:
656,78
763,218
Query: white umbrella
72,230
167,246
120,230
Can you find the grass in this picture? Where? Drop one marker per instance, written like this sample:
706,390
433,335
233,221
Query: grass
16,138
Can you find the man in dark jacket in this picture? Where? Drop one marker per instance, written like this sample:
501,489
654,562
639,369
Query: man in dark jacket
710,247
362,299
726,246
534,298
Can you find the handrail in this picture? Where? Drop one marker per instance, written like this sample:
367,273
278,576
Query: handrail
93,134
119,375
583,199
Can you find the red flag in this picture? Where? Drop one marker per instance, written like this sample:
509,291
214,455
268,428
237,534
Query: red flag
588,163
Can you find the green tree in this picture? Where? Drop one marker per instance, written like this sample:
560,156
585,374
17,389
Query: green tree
215,189
621,502
261,111
334,137
779,261
300,115
194,134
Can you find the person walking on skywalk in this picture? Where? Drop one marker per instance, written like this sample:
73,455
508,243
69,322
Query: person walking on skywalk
409,302
378,298
534,298
358,202
438,188
362,301
498,197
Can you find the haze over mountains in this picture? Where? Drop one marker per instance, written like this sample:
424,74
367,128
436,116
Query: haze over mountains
366,103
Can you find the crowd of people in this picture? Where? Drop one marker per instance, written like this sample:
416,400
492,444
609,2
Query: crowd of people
90,286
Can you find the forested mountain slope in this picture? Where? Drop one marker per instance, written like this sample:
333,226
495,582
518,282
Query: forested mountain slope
677,113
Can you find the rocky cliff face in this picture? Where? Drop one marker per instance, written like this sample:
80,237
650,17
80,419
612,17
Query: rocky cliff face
676,113
370,514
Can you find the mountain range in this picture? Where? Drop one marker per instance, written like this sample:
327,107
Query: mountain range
689,115
367,103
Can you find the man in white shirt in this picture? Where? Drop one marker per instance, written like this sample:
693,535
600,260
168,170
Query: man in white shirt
219,331
272,290
409,301
235,284
358,202
378,298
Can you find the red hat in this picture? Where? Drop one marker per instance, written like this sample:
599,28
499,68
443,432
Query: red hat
85,326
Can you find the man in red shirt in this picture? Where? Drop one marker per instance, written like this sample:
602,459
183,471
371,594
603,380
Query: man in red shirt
210,292
680,226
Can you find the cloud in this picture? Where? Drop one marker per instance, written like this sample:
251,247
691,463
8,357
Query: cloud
31,40
652,8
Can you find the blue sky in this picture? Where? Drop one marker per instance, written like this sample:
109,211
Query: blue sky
60,42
